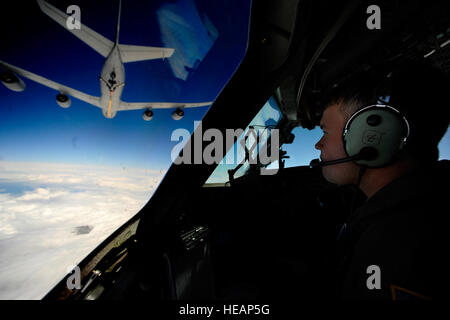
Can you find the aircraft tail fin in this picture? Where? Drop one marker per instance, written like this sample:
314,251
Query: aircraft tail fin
118,22
93,39
102,45
131,53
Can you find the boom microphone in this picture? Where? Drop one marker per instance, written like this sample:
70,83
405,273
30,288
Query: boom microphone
366,153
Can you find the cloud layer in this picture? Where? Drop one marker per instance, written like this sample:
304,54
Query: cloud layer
53,215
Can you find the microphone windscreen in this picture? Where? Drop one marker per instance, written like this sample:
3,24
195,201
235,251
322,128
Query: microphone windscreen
314,164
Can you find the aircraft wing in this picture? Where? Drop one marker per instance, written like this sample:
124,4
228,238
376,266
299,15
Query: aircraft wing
130,53
159,105
93,39
95,101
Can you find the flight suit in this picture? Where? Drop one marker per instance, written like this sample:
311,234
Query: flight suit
390,249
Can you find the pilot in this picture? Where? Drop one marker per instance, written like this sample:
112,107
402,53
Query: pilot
386,130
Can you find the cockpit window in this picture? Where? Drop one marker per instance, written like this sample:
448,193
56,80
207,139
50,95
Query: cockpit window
86,118
259,128
444,146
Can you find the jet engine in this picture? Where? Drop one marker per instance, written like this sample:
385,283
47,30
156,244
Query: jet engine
63,100
12,82
177,114
147,115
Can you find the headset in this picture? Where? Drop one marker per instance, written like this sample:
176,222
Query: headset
373,136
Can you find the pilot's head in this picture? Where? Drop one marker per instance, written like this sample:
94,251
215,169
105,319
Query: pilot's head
415,89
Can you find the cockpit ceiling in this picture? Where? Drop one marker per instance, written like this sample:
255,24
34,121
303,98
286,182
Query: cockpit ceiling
416,30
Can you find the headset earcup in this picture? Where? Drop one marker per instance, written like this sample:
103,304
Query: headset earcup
379,129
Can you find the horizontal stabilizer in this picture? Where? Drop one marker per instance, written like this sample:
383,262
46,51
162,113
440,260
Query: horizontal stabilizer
93,39
131,53
159,105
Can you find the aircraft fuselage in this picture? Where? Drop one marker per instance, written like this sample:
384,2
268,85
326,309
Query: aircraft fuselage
112,82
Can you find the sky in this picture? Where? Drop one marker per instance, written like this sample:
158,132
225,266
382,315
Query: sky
70,177
33,127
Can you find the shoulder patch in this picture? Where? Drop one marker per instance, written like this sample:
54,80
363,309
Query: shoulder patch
399,293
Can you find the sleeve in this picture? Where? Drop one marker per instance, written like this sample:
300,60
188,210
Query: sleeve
391,261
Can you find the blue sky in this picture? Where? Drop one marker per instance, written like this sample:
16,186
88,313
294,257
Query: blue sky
34,128
444,146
